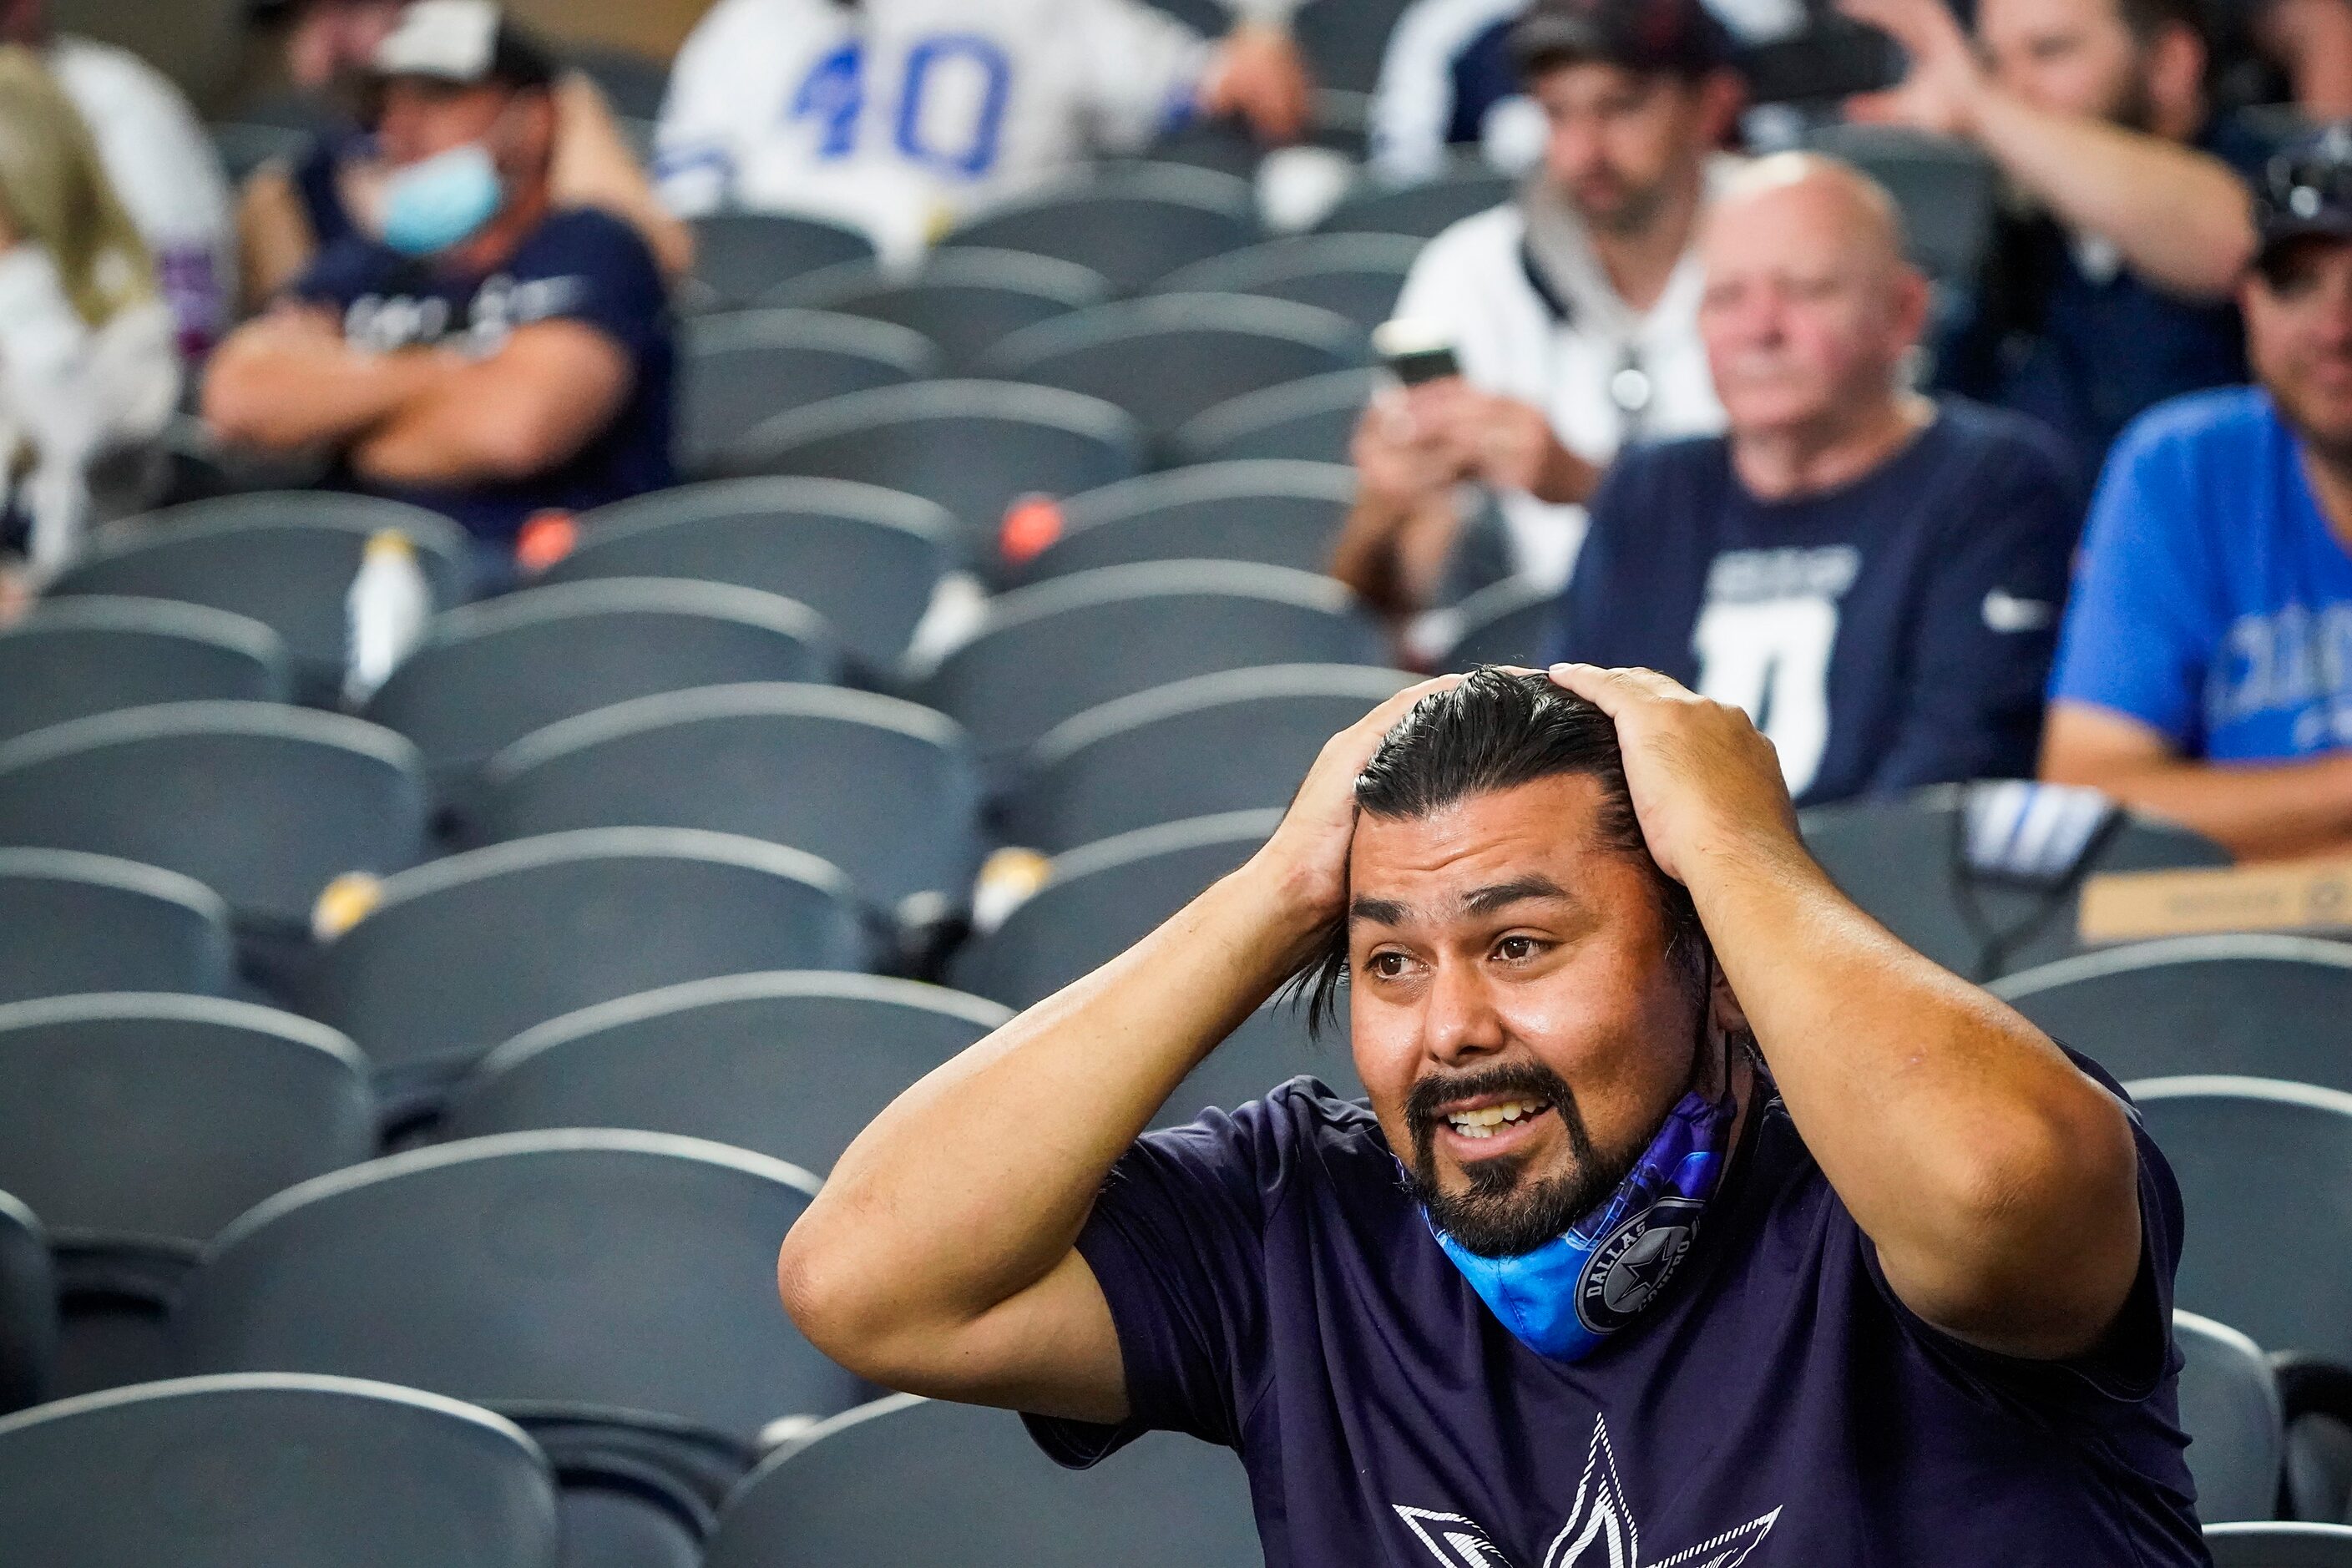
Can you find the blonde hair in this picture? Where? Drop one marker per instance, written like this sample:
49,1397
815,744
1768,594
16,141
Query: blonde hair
54,193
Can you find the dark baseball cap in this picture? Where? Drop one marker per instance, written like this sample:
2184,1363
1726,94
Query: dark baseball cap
2306,191
464,42
1679,38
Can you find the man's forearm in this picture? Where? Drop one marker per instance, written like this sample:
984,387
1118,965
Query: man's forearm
2258,813
2181,219
975,1183
288,398
1369,556
1987,1170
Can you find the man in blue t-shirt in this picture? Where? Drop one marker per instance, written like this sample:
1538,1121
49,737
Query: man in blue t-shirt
1689,1218
1875,577
483,354
2205,671
2109,289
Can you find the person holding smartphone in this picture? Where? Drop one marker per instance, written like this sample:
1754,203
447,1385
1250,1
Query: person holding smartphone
1570,311
1689,1216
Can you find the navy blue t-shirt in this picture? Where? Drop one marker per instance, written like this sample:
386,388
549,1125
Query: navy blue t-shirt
2086,352
1894,632
1275,1290
581,266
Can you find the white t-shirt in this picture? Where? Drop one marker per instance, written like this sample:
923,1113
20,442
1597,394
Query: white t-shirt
166,172
900,116
1473,281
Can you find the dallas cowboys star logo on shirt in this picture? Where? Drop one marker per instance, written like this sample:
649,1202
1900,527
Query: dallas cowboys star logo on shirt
1600,1531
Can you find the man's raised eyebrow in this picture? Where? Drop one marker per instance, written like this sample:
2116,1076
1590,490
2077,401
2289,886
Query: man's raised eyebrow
1379,912
1501,895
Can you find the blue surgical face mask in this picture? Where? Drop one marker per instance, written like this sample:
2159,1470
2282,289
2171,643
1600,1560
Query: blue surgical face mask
441,202
1566,1297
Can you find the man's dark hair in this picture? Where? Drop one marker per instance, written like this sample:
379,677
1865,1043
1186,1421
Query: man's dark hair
1494,731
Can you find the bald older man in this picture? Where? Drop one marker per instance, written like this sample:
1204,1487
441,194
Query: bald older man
1875,576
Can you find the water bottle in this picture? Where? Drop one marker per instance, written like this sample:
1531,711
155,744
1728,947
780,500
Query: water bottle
386,609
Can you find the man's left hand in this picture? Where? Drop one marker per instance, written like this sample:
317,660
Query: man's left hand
1259,75
1940,92
1704,779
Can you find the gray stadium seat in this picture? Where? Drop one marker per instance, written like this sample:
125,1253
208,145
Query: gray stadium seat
632,83
790,1064
1307,421
614,1276
972,447
285,559
1102,899
740,256
2279,1545
1948,192
865,558
884,790
28,1308
1510,622
138,1125
244,146
1344,40
272,1471
744,367
966,302
2265,1174
905,1480
1168,357
81,922
1354,276
1271,1047
1129,223
262,803
2230,1408
2263,1006
1135,763
1421,210
1901,861
486,675
469,952
73,657
1282,514
1049,652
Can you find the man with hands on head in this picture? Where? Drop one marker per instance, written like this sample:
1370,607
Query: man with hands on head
1688,1210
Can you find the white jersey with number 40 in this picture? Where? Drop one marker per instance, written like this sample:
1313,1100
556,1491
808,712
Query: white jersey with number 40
900,116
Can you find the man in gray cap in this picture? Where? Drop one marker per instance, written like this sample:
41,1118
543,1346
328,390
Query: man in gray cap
1571,311
2205,673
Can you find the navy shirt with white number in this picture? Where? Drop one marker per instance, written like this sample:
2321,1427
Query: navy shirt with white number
1274,1290
1891,633
579,266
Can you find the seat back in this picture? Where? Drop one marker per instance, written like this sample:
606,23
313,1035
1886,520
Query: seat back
1356,276
2265,1174
966,302
1272,1047
1128,223
2263,1006
741,368
79,924
28,1308
1307,421
469,952
1903,861
263,804
1047,653
884,790
1133,763
1346,40
487,674
740,256
162,1118
272,1471
790,1064
1279,514
907,1480
2279,1545
1168,357
1424,209
630,1274
1511,622
972,447
865,558
285,559
1948,192
74,658
2230,1408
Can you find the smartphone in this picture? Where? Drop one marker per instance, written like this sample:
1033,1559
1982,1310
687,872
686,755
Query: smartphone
1415,349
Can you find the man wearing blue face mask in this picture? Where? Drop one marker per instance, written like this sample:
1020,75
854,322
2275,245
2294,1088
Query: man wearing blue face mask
1691,1218
481,353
